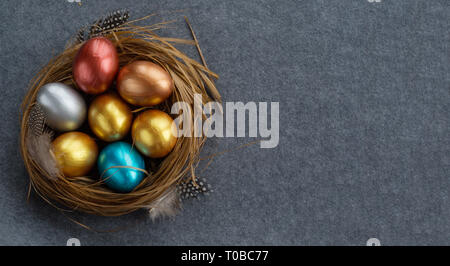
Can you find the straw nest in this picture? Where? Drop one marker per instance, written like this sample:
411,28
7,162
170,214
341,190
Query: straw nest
88,194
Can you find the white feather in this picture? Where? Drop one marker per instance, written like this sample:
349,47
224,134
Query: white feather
39,148
167,205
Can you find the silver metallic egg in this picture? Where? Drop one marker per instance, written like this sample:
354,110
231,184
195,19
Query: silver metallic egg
64,108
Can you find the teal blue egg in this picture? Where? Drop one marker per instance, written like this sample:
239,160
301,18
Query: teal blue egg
118,178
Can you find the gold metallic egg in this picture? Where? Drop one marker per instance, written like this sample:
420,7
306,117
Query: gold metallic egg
144,83
154,133
75,153
109,117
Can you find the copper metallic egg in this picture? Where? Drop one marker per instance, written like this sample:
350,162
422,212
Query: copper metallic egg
96,65
144,83
75,153
109,117
154,133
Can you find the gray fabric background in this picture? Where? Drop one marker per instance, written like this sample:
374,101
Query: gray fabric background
364,123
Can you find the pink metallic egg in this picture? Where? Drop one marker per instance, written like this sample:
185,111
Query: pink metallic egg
96,65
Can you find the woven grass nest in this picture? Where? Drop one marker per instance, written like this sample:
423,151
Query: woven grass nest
88,194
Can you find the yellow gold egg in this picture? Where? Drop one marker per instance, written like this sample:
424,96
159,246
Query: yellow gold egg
109,117
154,133
75,153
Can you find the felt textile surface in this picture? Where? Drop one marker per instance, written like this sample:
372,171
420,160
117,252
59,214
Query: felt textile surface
364,146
